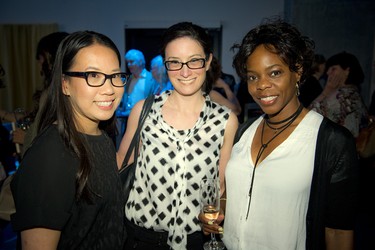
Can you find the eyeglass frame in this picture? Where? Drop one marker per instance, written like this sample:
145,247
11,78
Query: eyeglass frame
185,63
85,74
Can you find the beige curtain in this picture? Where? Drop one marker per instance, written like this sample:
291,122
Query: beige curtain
21,75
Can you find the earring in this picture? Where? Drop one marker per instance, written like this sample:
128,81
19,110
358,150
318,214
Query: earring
297,88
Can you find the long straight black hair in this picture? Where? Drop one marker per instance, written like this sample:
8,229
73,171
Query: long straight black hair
58,108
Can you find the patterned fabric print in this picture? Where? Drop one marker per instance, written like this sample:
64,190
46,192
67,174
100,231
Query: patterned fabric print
344,107
165,196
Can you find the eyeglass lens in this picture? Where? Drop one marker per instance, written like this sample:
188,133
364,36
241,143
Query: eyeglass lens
192,64
98,79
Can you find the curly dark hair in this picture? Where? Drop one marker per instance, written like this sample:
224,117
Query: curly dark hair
281,38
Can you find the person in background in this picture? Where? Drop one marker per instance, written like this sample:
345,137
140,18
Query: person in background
230,80
311,87
186,137
221,92
7,148
292,177
139,87
67,190
159,75
45,56
340,100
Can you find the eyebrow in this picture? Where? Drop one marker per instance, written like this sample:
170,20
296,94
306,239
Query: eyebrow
190,57
269,67
91,68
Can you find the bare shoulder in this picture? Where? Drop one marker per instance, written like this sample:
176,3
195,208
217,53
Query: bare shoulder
136,110
233,120
232,125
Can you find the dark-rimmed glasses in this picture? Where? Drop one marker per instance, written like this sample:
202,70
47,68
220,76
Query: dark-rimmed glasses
175,65
97,79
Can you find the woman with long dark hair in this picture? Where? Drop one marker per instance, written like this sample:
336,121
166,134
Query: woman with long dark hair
67,190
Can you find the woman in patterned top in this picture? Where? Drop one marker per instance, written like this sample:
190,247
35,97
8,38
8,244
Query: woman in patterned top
340,100
186,137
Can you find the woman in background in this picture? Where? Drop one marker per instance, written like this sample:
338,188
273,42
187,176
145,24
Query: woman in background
221,92
340,100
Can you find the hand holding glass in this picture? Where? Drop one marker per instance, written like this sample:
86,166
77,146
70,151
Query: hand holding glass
210,203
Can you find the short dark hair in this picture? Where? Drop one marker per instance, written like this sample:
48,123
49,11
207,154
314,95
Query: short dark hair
318,60
346,60
281,38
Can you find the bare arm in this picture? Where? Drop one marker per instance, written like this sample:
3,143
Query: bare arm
231,101
40,239
225,152
129,133
339,239
6,116
226,149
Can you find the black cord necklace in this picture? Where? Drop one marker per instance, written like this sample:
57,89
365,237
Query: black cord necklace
281,129
286,121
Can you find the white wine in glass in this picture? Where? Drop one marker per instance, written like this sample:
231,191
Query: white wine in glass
210,203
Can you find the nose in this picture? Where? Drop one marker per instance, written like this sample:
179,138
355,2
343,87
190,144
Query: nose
263,83
107,87
185,71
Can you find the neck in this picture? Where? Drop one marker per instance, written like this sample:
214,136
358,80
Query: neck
180,102
137,73
295,114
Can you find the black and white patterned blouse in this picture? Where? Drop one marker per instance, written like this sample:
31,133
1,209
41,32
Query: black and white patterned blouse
171,164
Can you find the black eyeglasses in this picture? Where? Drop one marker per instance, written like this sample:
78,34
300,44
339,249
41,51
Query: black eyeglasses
97,79
197,63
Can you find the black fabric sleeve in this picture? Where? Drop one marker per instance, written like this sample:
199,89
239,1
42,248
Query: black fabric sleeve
342,193
44,185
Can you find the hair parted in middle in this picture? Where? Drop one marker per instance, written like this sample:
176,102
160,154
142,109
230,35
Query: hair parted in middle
195,32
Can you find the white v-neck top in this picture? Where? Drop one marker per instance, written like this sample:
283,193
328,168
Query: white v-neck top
281,190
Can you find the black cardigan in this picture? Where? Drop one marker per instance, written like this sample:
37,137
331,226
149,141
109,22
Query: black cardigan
334,187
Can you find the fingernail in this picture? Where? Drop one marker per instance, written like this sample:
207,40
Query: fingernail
210,223
220,229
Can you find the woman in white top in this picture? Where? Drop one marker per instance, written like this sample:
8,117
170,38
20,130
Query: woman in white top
186,137
292,176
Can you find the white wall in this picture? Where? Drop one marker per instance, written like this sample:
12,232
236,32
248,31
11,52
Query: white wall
110,16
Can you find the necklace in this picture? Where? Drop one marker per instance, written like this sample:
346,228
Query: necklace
281,129
287,120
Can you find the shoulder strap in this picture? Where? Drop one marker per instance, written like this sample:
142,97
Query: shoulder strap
134,144
242,128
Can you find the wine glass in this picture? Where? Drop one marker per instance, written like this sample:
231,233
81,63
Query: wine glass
210,204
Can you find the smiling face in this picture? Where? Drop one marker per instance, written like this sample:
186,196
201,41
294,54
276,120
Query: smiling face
186,81
93,104
271,83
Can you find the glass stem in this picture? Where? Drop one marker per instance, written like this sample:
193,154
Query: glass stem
213,241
